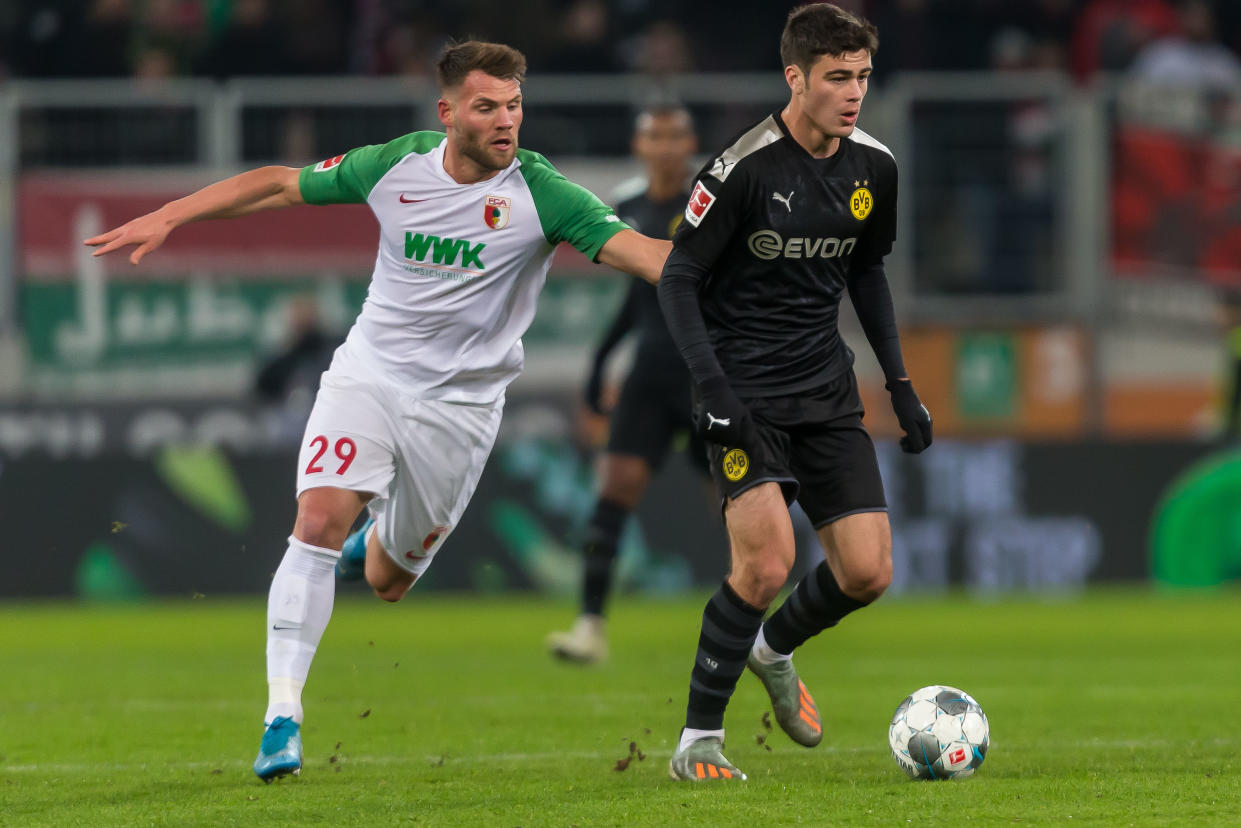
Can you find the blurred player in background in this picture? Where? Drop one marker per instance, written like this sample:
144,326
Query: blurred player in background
407,413
287,380
798,209
654,404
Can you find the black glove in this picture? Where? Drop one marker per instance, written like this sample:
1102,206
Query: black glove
592,394
721,418
915,420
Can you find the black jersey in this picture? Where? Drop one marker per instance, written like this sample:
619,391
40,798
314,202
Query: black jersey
657,219
779,232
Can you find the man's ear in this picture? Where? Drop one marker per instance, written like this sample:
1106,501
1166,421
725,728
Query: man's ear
795,79
443,108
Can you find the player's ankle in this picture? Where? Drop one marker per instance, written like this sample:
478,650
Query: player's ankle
763,653
288,711
284,698
689,735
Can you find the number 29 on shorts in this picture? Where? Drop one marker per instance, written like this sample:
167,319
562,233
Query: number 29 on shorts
344,449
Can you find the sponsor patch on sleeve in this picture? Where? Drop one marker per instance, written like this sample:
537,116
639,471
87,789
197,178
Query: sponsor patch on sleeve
700,201
324,166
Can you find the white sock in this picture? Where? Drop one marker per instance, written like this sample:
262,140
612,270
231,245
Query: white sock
690,734
763,653
298,608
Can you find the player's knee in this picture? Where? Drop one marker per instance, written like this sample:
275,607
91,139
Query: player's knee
624,483
391,594
392,591
319,527
389,583
759,582
868,581
621,491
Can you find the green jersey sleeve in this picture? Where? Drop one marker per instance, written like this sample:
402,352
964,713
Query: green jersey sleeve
349,178
568,212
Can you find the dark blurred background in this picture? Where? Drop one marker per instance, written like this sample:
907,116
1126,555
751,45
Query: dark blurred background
229,38
1067,275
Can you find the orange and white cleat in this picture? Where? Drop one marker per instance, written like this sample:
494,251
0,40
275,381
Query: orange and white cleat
790,700
702,761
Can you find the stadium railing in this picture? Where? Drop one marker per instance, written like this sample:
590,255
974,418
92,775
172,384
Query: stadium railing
1009,186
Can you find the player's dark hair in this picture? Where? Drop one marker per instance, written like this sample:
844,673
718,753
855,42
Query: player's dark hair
457,60
821,29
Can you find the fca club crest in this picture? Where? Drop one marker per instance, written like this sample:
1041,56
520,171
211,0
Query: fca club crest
495,211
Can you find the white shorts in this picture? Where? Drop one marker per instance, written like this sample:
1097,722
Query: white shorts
421,459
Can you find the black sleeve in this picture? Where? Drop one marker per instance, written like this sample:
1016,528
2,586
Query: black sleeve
622,323
678,298
868,289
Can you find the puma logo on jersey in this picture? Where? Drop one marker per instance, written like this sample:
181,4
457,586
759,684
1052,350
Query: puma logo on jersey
785,200
713,421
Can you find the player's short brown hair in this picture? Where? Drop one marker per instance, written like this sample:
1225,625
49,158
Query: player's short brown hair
821,29
457,60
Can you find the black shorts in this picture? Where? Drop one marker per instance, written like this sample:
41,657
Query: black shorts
654,408
814,445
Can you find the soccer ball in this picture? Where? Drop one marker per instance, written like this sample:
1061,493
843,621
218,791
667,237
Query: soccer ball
939,732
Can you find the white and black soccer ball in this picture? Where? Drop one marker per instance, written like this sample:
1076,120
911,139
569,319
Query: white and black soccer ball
939,732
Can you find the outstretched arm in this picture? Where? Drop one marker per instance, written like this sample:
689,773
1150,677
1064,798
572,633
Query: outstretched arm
265,188
636,254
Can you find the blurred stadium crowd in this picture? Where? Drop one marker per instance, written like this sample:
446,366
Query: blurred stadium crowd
1067,269
1193,40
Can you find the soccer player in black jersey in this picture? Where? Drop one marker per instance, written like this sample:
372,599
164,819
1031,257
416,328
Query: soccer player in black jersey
798,209
655,398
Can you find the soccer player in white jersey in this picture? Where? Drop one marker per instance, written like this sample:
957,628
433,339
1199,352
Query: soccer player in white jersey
408,411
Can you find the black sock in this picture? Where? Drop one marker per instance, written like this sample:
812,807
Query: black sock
602,539
729,627
816,604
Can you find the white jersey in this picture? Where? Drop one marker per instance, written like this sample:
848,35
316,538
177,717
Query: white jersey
460,266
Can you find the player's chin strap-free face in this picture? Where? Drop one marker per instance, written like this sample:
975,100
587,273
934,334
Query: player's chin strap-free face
833,86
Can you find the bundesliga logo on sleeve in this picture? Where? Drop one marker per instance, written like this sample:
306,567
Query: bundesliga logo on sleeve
700,201
324,166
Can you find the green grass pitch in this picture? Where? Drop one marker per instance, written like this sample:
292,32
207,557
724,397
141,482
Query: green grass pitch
1111,708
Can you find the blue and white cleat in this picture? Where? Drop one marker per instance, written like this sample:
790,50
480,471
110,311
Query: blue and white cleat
280,752
352,563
